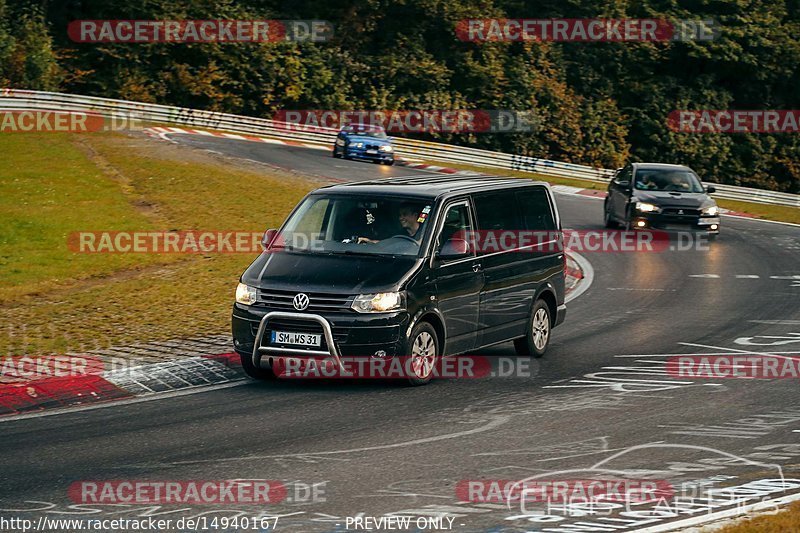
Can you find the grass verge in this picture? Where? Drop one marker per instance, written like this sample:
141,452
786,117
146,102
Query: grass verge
54,300
784,521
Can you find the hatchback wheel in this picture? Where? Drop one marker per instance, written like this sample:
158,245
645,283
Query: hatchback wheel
537,337
424,348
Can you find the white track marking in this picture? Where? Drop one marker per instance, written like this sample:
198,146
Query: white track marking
588,276
750,352
747,276
708,276
683,354
498,421
713,517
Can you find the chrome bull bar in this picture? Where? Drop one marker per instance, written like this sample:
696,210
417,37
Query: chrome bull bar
333,350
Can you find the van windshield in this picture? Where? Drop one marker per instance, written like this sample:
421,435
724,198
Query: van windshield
358,225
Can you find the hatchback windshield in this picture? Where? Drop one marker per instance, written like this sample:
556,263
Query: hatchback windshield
350,224
366,131
667,180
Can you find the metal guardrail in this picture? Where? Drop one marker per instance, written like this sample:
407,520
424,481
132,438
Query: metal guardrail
13,99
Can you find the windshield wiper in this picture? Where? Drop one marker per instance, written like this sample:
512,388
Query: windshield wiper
356,252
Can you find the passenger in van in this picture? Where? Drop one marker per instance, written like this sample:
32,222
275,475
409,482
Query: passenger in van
409,220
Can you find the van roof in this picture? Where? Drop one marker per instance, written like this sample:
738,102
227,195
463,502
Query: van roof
432,186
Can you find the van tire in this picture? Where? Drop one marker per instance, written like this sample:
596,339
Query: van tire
255,372
423,339
537,335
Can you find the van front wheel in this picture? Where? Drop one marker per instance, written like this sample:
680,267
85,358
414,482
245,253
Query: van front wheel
537,336
424,353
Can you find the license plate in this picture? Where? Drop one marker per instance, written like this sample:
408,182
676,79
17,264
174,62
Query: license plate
299,339
677,227
372,151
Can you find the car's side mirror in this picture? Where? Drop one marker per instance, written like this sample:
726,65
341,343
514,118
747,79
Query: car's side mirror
625,185
268,237
454,249
711,189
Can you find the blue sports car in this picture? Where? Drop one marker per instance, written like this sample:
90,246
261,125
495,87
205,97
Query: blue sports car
364,141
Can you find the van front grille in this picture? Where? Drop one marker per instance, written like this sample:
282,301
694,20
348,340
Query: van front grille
317,302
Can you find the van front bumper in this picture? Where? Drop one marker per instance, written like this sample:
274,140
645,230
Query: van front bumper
343,334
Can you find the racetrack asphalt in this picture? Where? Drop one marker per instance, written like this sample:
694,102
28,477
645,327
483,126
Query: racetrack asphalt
376,448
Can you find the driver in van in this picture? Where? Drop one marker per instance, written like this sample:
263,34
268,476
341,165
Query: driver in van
409,220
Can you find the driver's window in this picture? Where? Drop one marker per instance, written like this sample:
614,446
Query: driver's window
457,227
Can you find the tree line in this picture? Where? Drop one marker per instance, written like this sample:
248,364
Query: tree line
595,103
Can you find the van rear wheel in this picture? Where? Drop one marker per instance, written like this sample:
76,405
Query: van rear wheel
537,336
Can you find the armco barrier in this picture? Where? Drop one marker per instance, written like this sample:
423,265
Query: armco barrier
13,99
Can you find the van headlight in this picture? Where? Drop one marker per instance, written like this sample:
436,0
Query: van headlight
386,148
245,294
711,211
379,303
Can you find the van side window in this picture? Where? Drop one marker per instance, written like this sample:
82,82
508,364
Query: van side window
534,205
497,211
457,226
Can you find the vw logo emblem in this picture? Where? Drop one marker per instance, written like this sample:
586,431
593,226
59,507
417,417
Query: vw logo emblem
680,211
300,301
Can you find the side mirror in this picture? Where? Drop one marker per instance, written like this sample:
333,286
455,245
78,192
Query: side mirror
268,237
624,185
454,249
711,189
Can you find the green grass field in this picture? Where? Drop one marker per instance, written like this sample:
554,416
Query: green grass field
53,299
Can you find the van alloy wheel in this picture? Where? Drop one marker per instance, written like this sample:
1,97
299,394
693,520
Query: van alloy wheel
423,355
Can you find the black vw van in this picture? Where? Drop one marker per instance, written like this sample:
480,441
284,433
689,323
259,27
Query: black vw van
412,267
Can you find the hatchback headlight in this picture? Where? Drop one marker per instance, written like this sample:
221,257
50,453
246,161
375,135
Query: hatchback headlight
644,207
379,303
711,210
245,294
386,148
358,145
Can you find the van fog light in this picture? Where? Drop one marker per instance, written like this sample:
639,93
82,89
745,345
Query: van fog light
641,224
714,226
